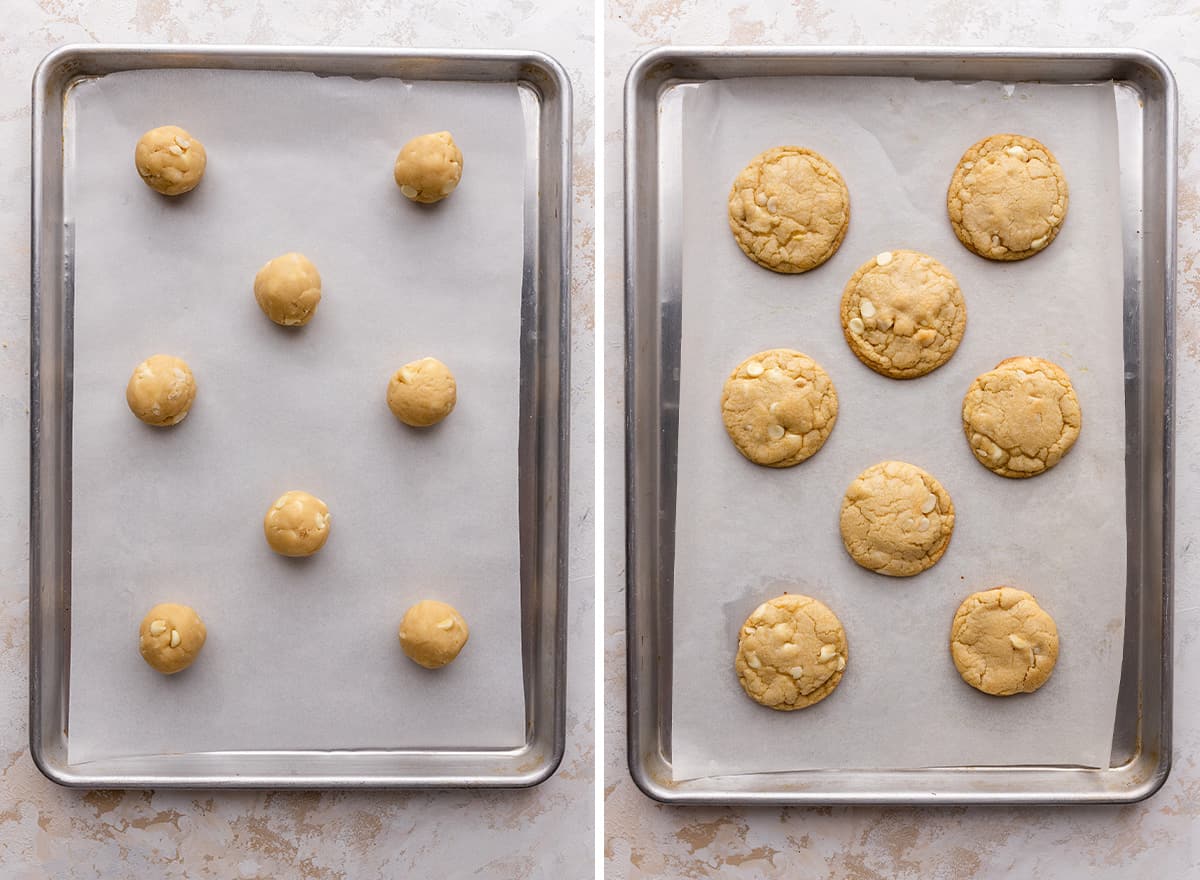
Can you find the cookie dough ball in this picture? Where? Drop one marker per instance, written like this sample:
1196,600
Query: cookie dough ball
779,407
422,393
789,210
1022,417
791,653
1008,197
1003,643
170,637
903,314
432,633
161,390
170,160
288,290
429,167
896,519
297,524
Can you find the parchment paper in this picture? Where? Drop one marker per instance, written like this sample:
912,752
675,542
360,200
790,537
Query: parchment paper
746,533
300,653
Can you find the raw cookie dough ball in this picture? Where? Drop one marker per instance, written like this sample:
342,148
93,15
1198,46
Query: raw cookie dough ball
288,290
1007,198
1022,417
779,407
170,637
170,160
789,209
422,393
429,167
432,633
896,519
791,653
903,314
1003,643
161,390
297,524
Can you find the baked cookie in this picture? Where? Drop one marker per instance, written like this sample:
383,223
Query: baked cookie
903,314
1022,417
170,637
429,167
422,393
791,653
432,633
1007,198
161,390
896,519
789,209
1003,643
297,524
288,289
779,407
169,160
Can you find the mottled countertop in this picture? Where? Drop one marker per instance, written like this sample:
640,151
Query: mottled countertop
47,831
1152,839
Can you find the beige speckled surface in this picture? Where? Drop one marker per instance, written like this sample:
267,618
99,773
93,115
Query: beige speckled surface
46,831
1152,839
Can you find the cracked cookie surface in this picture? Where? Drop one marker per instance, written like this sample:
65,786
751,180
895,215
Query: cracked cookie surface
779,407
791,652
903,314
1021,418
1008,197
789,209
896,519
1003,642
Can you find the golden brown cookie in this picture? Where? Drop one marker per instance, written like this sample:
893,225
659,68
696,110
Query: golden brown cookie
779,407
170,637
1003,643
422,393
161,390
432,633
791,653
789,209
903,314
896,519
1007,198
1022,417
429,167
297,524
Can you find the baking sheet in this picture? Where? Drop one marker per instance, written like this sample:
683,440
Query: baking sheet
300,653
744,533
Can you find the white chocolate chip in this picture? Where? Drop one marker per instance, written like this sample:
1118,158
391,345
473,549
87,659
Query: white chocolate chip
754,369
827,652
773,205
796,671
158,627
760,611
776,432
789,648
752,660
174,150
967,166
1017,642
760,199
448,623
1015,150
448,187
748,630
866,308
841,664
923,525
884,258
409,191
1038,242
929,504
175,640
857,325
182,142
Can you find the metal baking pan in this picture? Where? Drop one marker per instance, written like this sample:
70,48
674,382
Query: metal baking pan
1146,112
545,95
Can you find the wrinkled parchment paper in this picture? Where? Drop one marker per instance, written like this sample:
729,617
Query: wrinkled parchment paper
746,533
300,653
